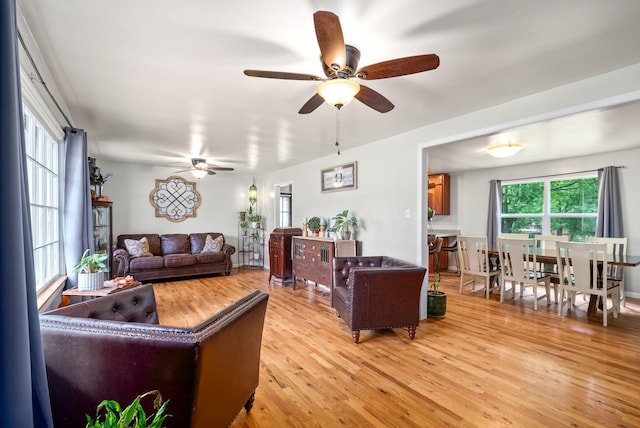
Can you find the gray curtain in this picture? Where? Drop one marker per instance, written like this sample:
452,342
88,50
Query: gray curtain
609,221
24,393
78,223
493,217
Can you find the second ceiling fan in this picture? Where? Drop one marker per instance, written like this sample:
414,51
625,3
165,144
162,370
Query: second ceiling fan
340,65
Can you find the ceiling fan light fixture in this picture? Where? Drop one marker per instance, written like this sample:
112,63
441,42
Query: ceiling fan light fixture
338,92
199,173
504,149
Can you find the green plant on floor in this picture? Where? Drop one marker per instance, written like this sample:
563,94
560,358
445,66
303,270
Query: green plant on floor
132,416
314,224
436,299
91,263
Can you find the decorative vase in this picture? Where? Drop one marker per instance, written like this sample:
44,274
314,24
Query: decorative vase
90,281
436,304
346,235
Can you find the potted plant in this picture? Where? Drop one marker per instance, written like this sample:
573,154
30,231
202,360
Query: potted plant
343,224
91,269
243,225
430,213
132,416
254,219
436,299
314,225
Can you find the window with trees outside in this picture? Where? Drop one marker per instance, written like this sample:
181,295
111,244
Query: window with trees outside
43,164
562,205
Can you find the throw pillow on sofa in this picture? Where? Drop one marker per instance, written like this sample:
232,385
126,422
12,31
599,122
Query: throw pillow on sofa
138,248
213,245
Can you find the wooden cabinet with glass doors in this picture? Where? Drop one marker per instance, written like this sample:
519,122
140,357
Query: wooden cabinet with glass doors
103,230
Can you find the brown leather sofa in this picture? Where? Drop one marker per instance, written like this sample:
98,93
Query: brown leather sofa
112,347
377,292
174,255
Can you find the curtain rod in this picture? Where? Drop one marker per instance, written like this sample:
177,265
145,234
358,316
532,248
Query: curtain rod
39,78
559,174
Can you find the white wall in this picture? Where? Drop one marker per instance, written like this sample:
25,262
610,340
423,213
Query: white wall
387,187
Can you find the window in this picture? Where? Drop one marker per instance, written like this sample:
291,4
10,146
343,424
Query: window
565,205
43,166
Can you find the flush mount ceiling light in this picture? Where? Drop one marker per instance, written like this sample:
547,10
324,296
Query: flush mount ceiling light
504,149
338,92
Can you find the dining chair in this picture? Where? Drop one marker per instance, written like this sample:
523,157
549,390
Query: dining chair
518,264
473,255
548,243
579,267
435,251
514,235
615,247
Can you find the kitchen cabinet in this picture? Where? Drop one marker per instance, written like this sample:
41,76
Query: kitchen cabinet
439,193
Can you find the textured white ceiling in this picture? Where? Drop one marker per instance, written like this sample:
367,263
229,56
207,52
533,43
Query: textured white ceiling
158,81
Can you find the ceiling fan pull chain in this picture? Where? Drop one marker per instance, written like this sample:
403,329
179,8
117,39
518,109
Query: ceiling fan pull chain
338,129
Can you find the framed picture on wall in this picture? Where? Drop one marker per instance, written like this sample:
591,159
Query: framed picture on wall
341,177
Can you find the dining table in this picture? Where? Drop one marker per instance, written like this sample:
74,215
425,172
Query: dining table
549,256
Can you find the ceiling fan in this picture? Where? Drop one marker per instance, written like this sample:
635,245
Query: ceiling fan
200,168
340,65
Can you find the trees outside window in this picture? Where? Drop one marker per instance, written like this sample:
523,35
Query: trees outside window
565,205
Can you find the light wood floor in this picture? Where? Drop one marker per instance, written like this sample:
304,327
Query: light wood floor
485,364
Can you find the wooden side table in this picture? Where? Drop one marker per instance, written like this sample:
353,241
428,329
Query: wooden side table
109,288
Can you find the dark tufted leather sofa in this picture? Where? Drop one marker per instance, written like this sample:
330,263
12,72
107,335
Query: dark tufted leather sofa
377,292
112,347
174,255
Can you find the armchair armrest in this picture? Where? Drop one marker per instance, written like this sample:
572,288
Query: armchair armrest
121,257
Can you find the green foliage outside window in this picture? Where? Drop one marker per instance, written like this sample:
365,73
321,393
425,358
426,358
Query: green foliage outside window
574,196
573,204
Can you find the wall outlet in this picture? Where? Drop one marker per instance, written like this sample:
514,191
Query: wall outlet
407,213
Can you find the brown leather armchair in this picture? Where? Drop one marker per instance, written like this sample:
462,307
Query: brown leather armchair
377,292
112,347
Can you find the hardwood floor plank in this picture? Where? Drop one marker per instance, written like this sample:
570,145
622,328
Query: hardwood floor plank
484,364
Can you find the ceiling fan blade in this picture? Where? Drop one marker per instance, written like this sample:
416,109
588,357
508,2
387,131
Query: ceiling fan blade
374,99
219,168
210,172
281,75
183,170
313,103
330,39
399,67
